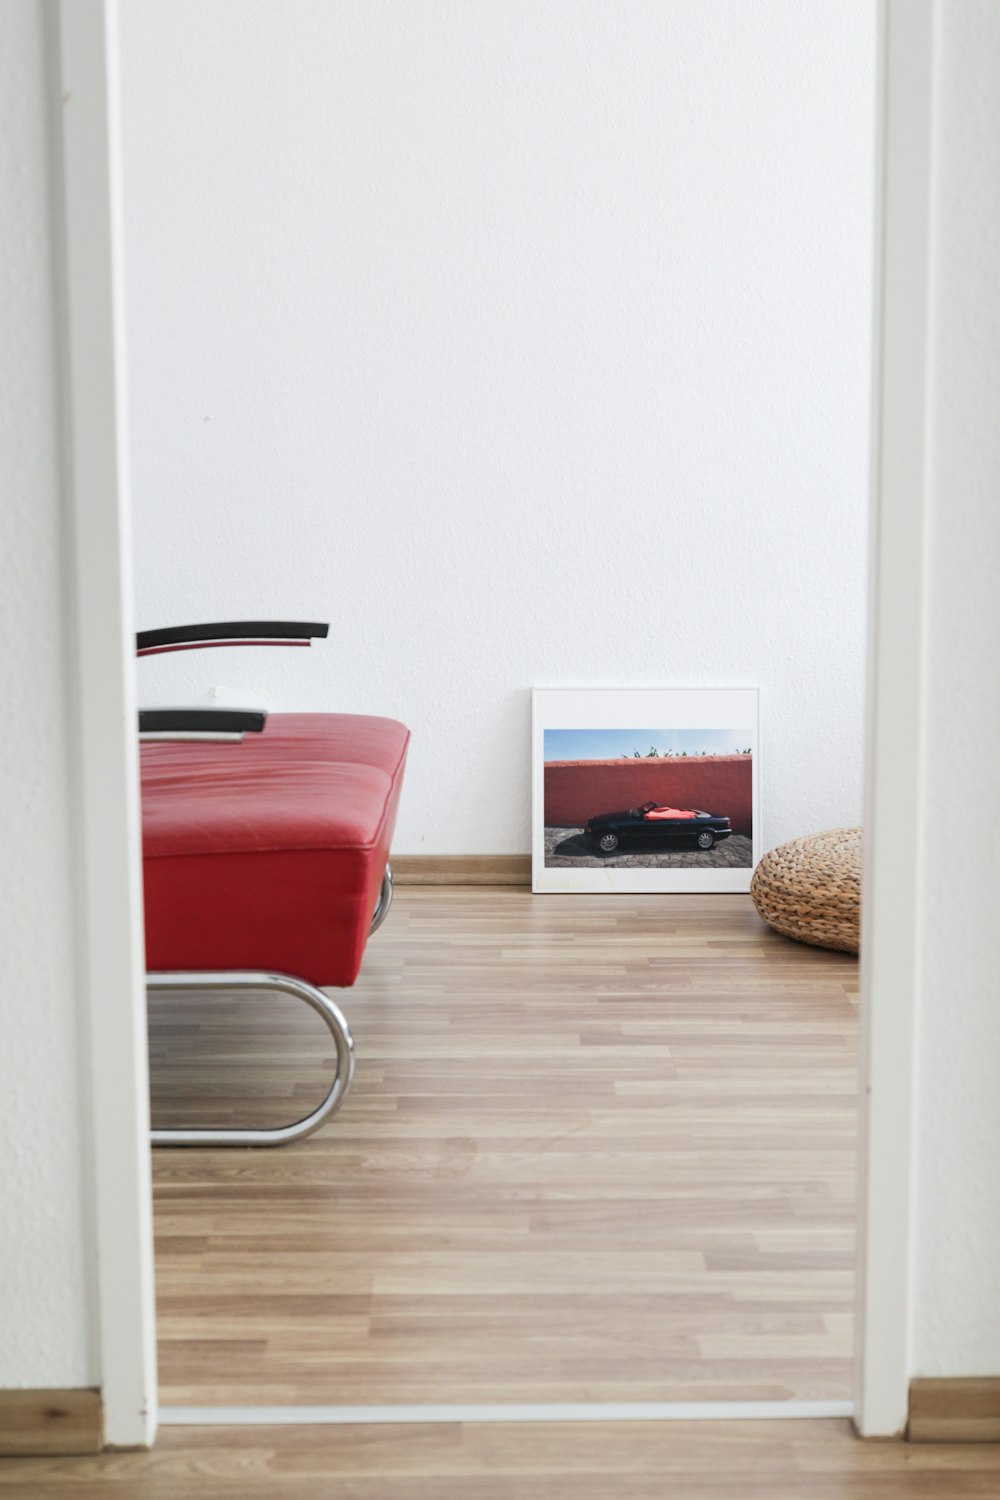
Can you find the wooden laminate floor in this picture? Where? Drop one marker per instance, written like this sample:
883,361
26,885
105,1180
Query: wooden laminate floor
599,1461
598,1148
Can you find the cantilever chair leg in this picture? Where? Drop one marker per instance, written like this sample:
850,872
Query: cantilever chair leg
285,984
384,901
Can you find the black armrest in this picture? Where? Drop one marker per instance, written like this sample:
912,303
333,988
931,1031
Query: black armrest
201,720
230,633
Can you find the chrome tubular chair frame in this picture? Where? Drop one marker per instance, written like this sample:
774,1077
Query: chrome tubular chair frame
285,984
384,901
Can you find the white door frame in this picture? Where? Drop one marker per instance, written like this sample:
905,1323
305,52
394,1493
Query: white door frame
891,914
106,756
113,902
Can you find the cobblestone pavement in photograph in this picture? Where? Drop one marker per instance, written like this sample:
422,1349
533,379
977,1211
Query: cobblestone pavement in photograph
568,847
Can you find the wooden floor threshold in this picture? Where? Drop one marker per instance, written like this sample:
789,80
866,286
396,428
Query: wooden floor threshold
532,1461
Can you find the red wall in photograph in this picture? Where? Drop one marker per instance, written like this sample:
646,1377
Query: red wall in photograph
576,790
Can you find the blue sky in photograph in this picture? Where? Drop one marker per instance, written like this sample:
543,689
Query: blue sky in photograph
609,744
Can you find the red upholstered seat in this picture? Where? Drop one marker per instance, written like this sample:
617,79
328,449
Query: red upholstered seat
269,854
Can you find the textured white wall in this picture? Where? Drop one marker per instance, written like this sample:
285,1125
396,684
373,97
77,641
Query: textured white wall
957,1307
46,1238
529,344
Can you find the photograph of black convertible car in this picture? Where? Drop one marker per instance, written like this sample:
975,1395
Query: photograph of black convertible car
657,827
645,808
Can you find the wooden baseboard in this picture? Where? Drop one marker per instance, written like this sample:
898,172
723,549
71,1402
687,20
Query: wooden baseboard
41,1423
461,869
958,1410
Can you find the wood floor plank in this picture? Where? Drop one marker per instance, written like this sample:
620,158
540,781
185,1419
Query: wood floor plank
598,1148
801,1460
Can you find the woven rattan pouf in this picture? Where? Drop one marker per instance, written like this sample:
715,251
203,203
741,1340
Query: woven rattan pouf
810,889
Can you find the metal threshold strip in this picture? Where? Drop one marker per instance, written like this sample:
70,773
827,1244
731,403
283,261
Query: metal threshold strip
558,1411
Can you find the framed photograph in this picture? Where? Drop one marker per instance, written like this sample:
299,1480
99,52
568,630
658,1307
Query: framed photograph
645,789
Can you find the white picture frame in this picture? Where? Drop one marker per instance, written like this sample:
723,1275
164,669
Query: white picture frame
697,722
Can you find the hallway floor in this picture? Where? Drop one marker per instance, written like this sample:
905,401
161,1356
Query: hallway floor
599,1461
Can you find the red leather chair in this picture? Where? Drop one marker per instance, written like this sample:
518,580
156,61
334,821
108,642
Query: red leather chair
265,851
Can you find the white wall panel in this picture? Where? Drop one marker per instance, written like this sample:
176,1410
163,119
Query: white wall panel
529,344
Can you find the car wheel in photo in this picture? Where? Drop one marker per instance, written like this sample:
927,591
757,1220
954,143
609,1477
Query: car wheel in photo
608,843
706,839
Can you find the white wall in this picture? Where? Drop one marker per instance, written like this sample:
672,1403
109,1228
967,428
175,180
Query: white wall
529,344
47,1250
957,1268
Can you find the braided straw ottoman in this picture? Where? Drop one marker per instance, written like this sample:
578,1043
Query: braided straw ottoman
810,889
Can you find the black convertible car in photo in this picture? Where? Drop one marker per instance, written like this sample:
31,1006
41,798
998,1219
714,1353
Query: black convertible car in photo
652,824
